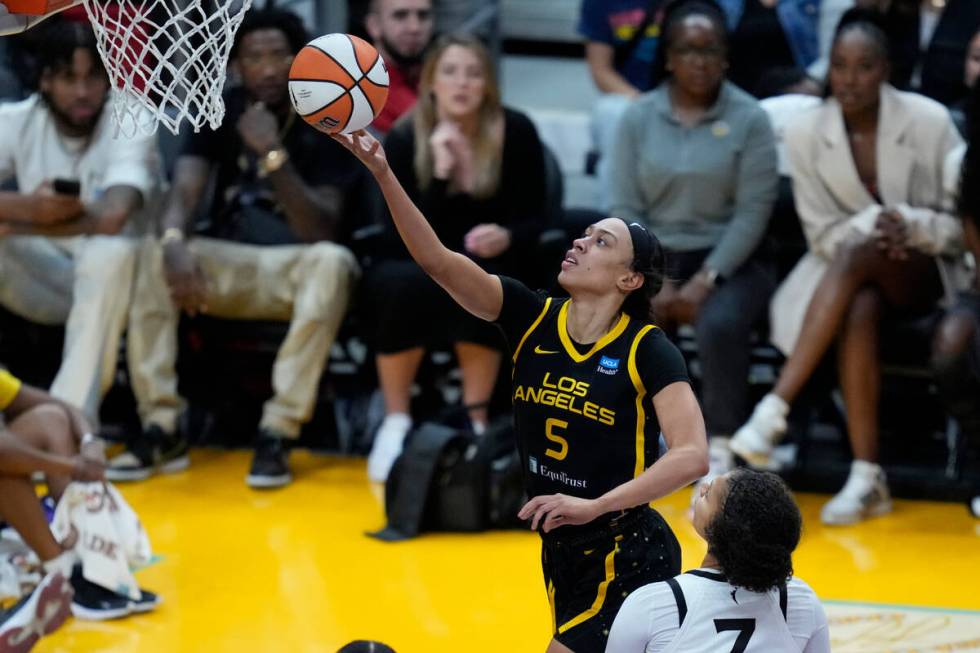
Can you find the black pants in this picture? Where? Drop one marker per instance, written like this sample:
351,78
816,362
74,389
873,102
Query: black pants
723,332
407,309
588,575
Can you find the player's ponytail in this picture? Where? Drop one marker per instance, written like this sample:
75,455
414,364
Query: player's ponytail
756,531
648,260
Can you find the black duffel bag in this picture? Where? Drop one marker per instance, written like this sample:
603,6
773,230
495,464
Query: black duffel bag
448,479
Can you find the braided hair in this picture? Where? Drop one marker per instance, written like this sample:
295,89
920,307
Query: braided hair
755,532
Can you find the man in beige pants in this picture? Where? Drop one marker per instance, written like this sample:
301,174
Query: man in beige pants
279,192
66,251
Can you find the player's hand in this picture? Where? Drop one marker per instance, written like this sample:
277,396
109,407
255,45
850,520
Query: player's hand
366,148
52,208
553,510
87,470
487,240
259,129
891,235
188,286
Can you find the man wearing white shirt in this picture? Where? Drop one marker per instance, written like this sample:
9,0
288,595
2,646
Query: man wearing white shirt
65,257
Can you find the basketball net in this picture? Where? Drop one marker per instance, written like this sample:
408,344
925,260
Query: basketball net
167,59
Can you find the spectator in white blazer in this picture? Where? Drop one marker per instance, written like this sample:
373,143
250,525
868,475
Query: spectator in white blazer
868,178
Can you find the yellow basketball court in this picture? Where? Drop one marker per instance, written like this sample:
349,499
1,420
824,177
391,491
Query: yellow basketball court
292,570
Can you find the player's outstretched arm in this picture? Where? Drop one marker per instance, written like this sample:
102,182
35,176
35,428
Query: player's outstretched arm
478,292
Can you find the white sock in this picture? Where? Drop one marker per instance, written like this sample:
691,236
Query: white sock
63,563
865,470
479,428
775,403
400,421
719,442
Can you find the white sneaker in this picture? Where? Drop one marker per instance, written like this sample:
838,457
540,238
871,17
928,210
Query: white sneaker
864,495
757,437
975,506
720,462
39,614
387,445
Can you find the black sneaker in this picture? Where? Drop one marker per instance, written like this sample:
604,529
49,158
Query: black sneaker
269,467
39,613
95,603
147,602
155,451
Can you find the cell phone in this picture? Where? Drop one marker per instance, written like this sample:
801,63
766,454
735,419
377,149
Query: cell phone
67,186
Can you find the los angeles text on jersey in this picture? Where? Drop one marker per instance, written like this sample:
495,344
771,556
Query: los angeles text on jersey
565,393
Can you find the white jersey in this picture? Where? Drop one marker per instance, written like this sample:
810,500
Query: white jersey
700,612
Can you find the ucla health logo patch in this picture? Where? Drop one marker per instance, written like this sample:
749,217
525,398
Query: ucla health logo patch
608,365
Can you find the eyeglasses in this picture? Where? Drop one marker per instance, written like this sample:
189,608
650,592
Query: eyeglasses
690,53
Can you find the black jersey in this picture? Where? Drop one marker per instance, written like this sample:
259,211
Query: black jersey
583,414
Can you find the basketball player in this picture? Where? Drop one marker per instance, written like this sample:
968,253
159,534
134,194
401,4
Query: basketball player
743,598
593,386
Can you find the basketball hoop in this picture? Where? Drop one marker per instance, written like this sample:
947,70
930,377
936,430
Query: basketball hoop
166,58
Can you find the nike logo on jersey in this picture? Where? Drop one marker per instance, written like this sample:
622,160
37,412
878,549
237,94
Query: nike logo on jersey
538,350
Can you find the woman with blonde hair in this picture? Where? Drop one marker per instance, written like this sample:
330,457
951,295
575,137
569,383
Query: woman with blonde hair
476,169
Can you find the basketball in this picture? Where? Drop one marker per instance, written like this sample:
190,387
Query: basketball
338,83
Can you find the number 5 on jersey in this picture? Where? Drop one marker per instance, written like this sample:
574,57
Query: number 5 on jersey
549,432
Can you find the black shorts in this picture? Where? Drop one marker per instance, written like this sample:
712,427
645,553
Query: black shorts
588,575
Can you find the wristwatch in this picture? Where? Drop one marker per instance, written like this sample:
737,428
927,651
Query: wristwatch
272,161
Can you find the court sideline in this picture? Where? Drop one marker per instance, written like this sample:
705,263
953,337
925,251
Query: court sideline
292,571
